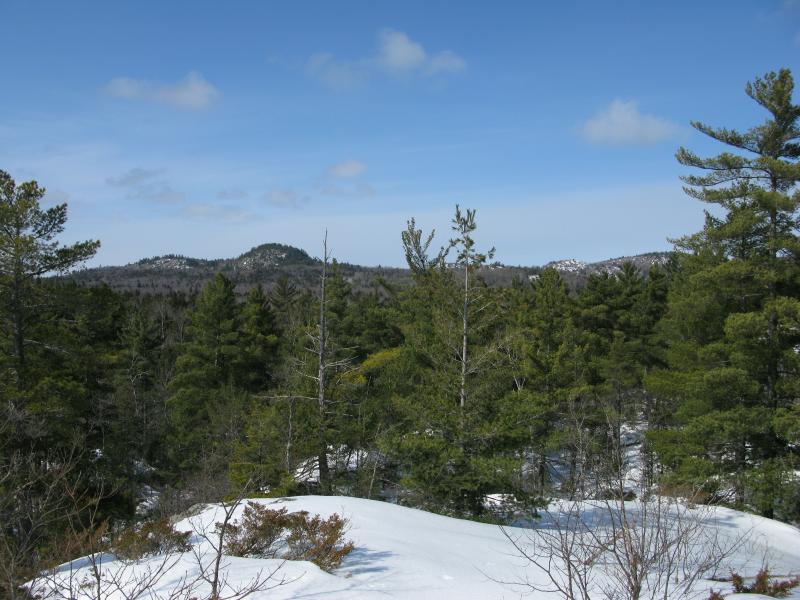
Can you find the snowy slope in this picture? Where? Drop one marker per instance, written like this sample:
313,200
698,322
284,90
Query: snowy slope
407,553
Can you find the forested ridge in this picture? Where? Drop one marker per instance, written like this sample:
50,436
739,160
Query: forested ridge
436,393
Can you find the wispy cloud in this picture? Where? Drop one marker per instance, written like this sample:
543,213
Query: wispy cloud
337,74
284,198
343,179
347,168
232,194
396,55
446,62
192,92
133,177
207,210
147,184
621,123
357,189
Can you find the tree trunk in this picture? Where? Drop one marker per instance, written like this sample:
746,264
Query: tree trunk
322,459
464,328
18,322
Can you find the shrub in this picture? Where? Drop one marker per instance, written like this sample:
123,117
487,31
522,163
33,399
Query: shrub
762,585
265,533
258,533
319,540
715,595
150,539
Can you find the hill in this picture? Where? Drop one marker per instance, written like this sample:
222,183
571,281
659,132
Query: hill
409,553
267,263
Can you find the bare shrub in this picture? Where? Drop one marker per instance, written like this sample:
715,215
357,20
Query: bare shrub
150,539
99,574
763,585
258,533
319,540
267,533
212,570
616,550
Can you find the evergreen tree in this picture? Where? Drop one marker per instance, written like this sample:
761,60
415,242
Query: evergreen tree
732,322
256,357
203,370
29,250
450,443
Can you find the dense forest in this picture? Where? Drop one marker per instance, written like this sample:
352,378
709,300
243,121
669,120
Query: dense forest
435,393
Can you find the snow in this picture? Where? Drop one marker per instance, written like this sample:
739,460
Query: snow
408,553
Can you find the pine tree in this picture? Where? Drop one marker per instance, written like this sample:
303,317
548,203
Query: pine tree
732,322
29,250
450,442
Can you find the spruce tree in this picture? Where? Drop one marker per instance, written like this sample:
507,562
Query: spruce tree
204,372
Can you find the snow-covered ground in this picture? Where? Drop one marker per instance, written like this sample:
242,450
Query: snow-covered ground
407,553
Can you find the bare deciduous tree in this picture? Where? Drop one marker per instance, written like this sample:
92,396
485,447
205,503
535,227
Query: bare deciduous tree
650,549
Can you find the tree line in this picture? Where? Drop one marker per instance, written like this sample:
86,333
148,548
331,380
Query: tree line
443,394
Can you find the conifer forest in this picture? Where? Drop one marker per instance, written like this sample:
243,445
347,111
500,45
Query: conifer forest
446,391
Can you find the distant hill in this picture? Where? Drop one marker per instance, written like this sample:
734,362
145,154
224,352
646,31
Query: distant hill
575,272
266,263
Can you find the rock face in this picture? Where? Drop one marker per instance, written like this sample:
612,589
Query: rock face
267,263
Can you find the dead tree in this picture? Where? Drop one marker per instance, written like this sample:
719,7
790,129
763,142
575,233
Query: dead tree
327,363
35,492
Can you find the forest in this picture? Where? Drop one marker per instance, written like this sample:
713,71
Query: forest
438,393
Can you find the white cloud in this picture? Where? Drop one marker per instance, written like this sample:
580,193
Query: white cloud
357,189
397,52
344,180
134,177
162,193
335,73
231,194
622,123
192,92
347,168
284,197
205,210
446,62
147,184
397,55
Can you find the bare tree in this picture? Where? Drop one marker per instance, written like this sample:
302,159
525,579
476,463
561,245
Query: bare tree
35,502
652,548
561,550
327,363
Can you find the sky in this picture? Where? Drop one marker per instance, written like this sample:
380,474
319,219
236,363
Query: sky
207,128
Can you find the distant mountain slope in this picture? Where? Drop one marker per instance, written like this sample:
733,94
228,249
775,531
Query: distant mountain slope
266,263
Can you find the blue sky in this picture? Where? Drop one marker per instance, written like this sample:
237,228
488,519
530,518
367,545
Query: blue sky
205,128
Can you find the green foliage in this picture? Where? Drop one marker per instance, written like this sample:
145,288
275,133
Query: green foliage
29,250
436,392
731,323
204,372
